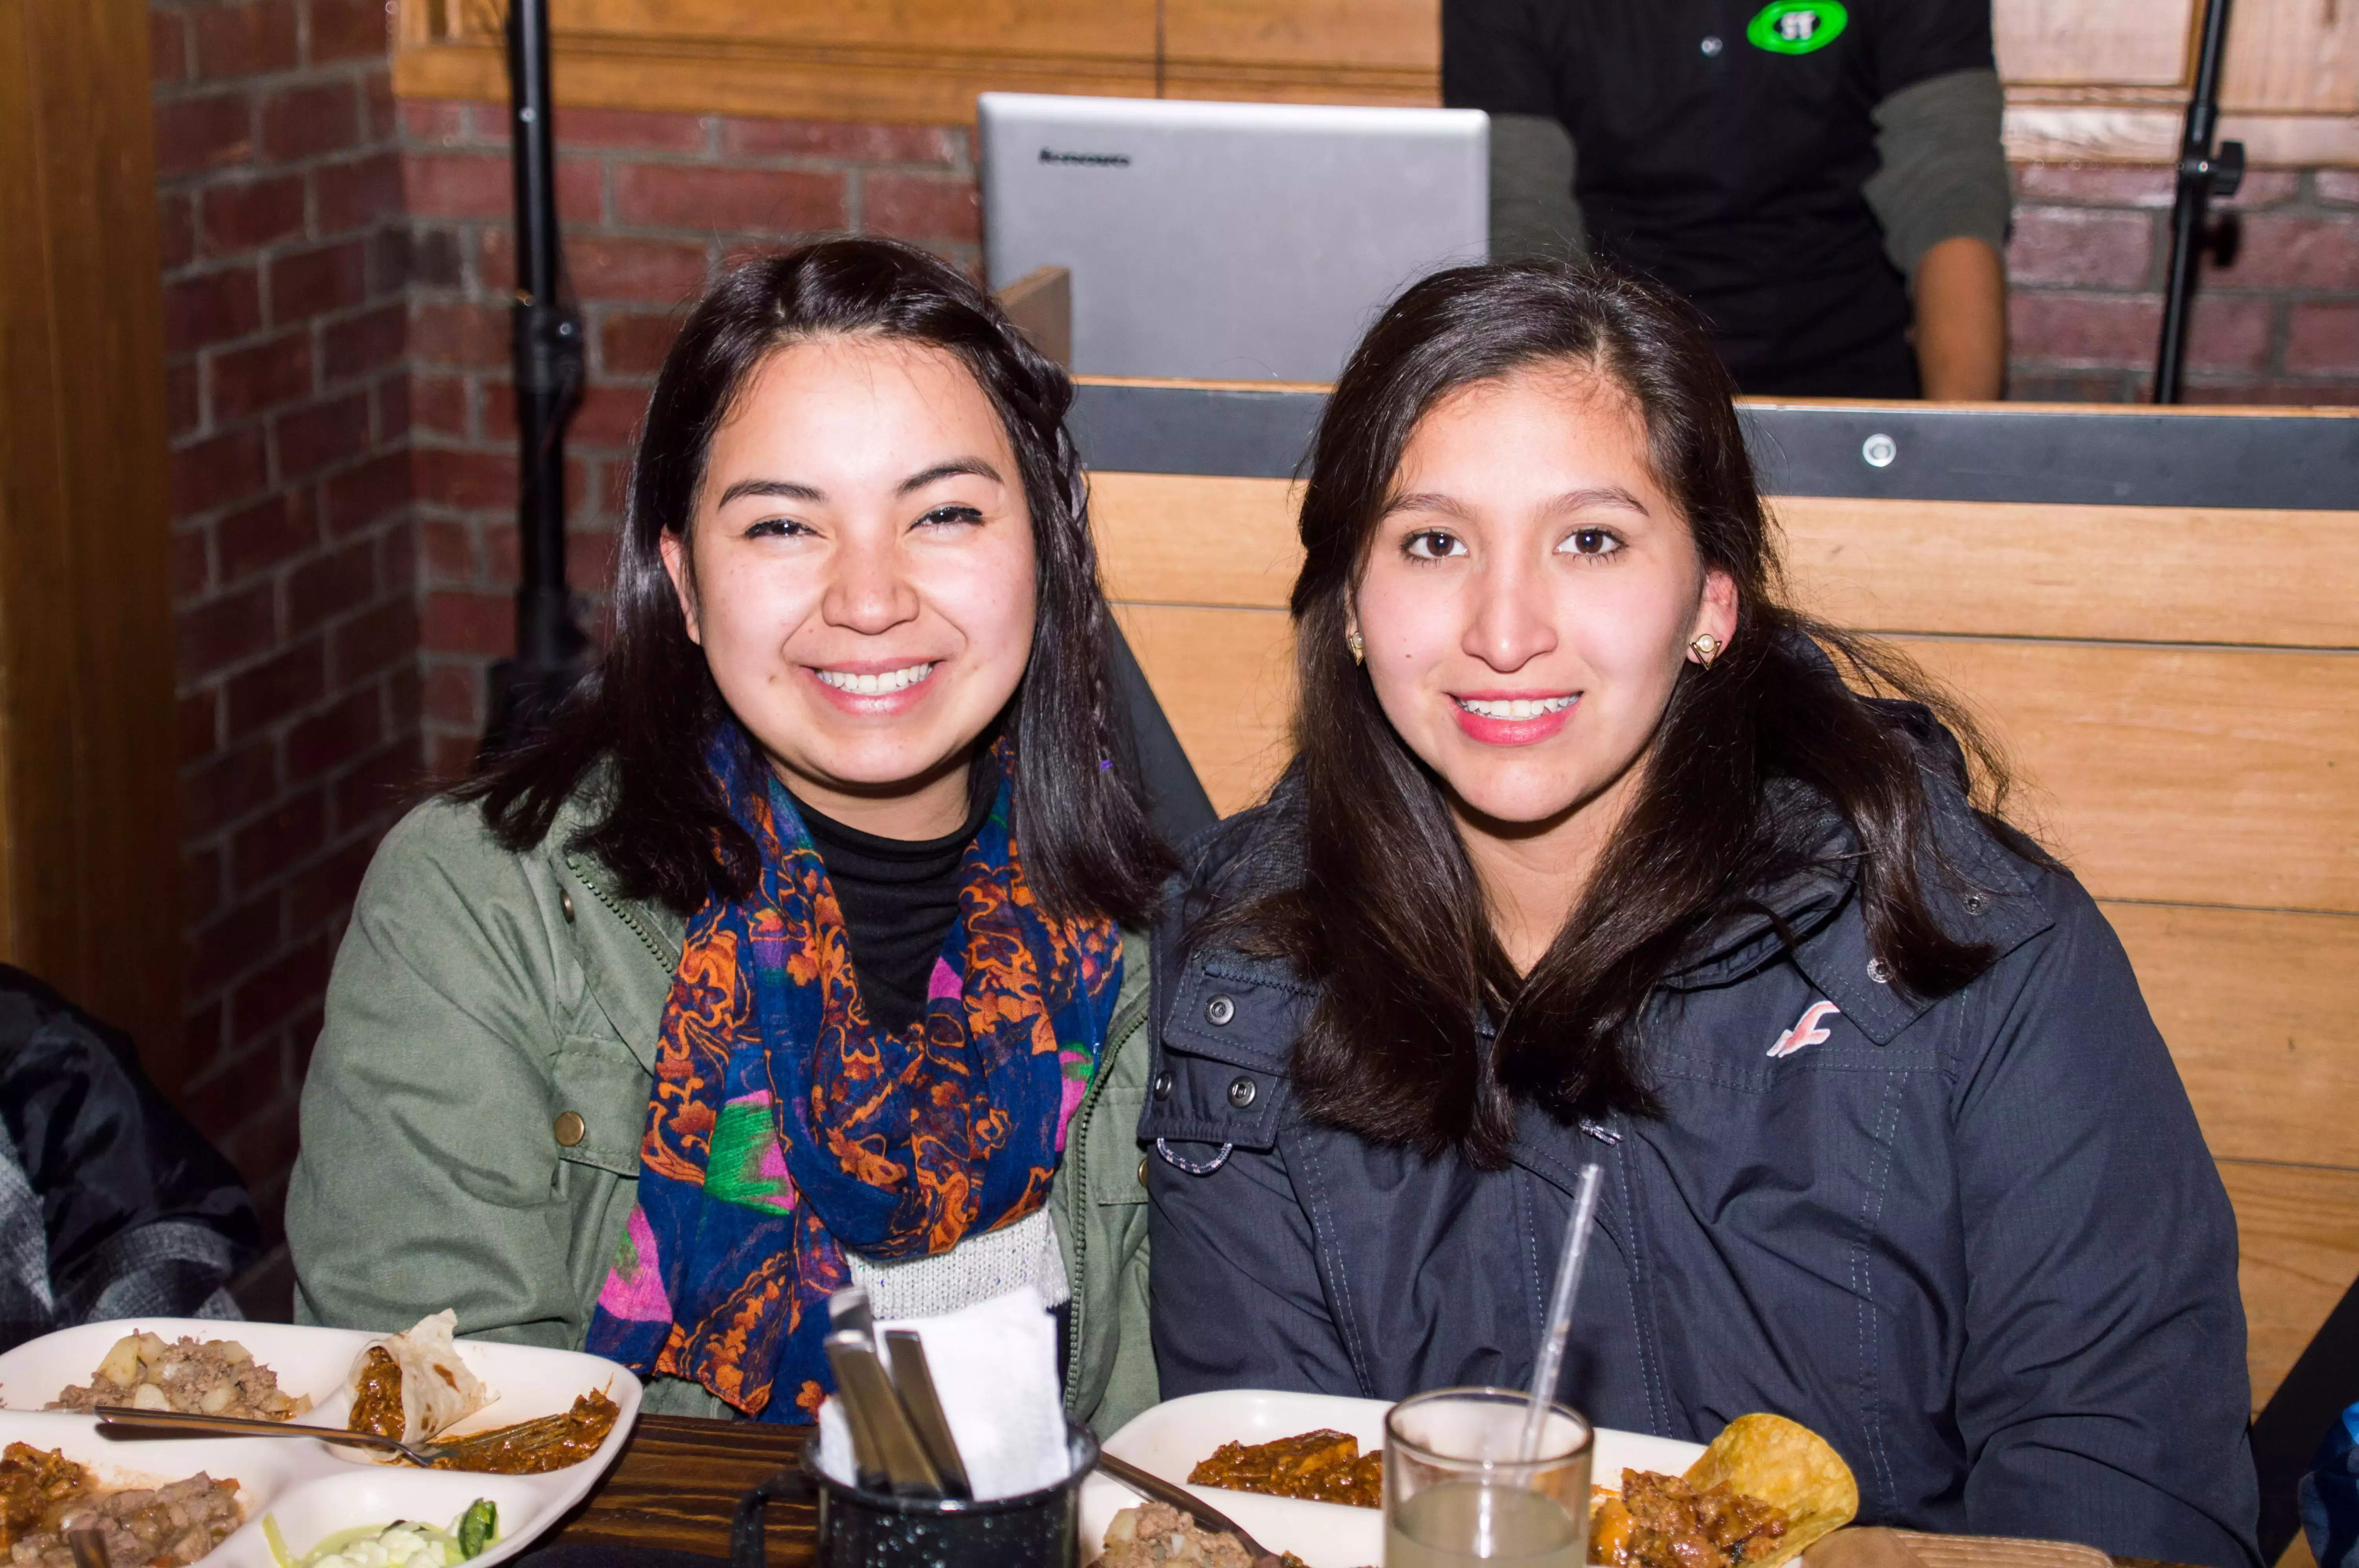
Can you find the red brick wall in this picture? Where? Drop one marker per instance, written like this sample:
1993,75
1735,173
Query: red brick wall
2280,324
654,207
285,274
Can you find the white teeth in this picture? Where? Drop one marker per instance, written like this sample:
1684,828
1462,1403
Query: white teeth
875,686
1519,708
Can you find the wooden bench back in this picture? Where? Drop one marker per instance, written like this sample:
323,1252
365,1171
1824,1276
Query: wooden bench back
2178,689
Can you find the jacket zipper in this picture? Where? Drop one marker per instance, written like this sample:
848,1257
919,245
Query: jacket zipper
1077,1222
654,950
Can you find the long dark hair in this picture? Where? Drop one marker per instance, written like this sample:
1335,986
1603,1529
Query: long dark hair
1387,916
640,722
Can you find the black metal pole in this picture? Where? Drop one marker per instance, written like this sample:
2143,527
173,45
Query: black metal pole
546,345
2202,174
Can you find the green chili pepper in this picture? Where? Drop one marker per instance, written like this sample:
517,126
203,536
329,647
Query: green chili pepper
477,1526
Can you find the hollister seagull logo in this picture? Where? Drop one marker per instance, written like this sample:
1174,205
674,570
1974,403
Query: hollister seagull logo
1797,26
1806,1033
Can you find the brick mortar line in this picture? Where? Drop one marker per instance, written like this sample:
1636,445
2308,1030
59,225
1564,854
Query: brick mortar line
257,172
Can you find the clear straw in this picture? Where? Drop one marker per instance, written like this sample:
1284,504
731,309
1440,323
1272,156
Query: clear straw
1560,1318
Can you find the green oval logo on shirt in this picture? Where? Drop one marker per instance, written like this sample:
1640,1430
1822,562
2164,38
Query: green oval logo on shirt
1797,26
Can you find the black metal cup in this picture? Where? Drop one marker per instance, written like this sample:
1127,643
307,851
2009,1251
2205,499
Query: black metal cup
861,1529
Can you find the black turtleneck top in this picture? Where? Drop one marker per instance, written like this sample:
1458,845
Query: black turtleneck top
899,898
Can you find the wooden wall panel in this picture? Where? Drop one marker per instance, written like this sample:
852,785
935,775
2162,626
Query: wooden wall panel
1225,679
2298,1226
1306,52
2072,41
2194,776
2117,573
88,841
2292,55
2261,1010
1195,539
919,60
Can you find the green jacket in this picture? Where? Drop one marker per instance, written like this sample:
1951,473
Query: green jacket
473,1112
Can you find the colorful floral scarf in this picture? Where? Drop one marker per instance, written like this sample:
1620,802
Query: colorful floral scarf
785,1128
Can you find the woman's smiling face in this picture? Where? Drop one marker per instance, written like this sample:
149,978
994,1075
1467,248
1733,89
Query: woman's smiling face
861,576
1530,596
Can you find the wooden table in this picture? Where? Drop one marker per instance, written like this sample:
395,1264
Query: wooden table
677,1483
679,1480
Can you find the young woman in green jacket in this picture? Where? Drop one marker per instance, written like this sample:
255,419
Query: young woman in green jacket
794,954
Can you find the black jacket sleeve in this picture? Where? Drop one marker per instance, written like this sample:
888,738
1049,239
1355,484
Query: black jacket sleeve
1494,57
1919,40
2102,1395
137,1215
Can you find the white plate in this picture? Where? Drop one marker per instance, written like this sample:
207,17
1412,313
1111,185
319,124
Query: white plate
311,1488
1173,1437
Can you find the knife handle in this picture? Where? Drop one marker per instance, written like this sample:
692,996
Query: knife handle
869,1397
913,1378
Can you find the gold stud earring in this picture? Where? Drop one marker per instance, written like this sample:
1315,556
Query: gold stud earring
1359,649
1706,648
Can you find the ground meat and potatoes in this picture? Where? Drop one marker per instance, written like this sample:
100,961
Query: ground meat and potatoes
1156,1535
214,1377
43,1495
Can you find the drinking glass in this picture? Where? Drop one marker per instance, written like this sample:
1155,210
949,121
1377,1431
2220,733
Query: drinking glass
1456,1491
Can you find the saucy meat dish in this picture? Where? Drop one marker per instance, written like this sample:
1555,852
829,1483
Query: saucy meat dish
376,1395
535,1447
1321,1466
43,1495
213,1377
1666,1521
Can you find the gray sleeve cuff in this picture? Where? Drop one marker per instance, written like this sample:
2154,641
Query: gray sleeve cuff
1532,210
1944,169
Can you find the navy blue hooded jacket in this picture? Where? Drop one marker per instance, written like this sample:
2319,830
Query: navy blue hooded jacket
1977,1242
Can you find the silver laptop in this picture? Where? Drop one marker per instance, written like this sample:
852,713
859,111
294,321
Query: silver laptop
1227,241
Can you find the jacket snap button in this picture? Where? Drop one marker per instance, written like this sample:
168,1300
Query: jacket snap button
1878,973
565,902
1241,1093
571,1129
1975,902
1220,1009
1163,1086
1142,1170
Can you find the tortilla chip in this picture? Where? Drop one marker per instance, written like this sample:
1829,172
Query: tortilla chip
1789,1467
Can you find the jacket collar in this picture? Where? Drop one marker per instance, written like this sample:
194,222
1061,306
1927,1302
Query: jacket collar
1989,900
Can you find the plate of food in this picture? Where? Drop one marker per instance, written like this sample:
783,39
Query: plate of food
523,1434
1303,1473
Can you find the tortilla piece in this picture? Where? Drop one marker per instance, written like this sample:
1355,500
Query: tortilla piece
435,1389
1789,1467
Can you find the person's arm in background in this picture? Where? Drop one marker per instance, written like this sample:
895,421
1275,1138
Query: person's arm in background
1941,197
1494,58
1941,192
1961,294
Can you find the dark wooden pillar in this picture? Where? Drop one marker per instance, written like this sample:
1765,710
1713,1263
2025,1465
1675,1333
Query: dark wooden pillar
89,842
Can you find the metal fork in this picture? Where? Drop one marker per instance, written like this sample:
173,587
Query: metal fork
115,1417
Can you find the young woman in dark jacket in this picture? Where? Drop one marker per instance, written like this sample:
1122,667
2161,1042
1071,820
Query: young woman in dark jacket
1592,852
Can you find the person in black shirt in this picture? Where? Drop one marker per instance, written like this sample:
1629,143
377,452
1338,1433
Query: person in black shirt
1822,179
